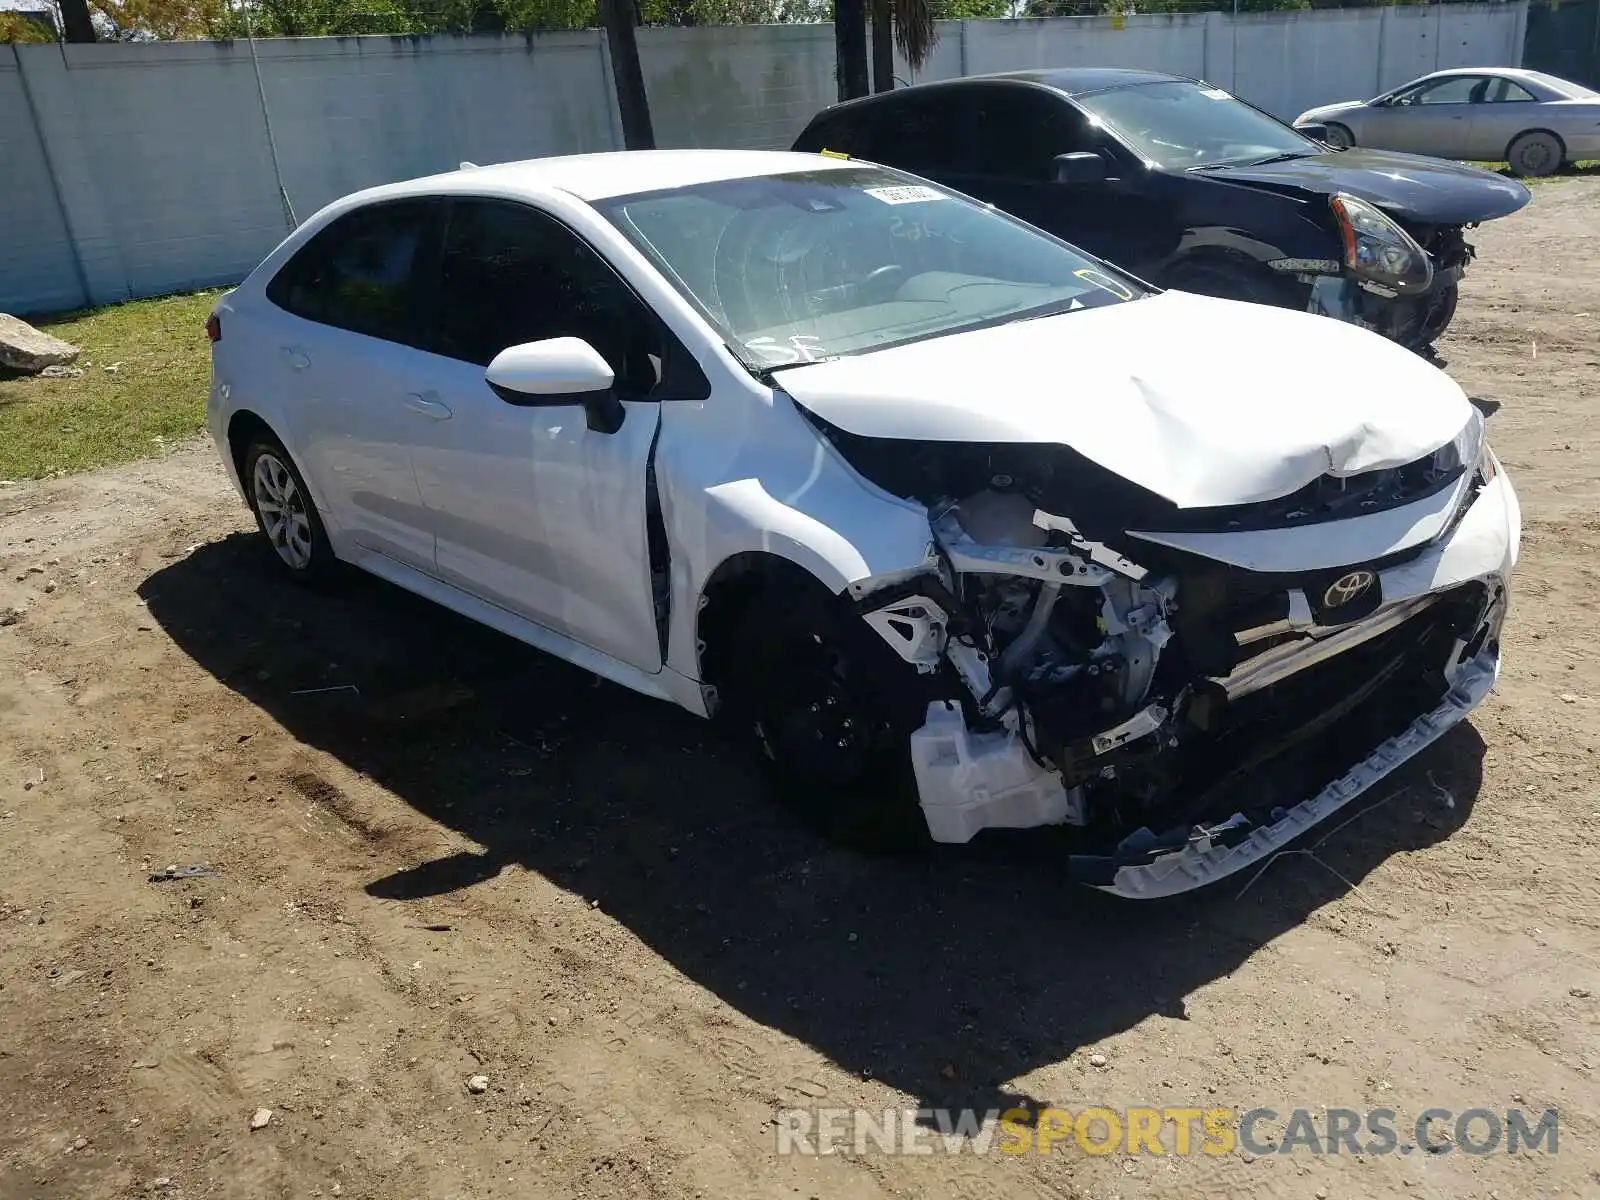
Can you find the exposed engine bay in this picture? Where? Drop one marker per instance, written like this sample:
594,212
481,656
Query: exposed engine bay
1172,708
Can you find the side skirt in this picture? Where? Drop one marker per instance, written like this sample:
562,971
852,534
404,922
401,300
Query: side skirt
665,684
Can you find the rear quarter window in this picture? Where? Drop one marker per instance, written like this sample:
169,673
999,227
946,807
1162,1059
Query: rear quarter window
840,132
359,273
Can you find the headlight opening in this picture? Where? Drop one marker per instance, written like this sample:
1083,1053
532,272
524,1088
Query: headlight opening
1377,249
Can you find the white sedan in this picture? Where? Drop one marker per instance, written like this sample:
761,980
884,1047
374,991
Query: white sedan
968,529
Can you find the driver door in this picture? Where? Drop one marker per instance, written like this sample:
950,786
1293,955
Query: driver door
1008,159
534,511
1432,118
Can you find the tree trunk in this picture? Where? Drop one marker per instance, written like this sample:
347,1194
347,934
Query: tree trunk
75,23
622,19
882,47
850,47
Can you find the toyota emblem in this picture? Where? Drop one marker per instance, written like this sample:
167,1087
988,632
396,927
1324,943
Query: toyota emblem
1347,588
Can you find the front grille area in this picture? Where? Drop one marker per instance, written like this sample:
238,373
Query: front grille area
1327,498
1285,742
1217,601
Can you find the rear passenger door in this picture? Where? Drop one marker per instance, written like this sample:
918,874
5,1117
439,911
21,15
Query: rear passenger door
340,352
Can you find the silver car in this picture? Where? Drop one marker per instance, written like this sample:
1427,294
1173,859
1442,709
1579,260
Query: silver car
1531,120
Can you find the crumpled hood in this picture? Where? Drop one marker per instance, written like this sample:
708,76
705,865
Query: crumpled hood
1409,186
1205,402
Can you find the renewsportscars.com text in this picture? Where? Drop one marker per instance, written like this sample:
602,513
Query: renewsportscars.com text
1167,1130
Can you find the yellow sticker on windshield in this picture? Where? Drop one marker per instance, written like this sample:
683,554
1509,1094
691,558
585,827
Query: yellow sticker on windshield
1105,282
833,154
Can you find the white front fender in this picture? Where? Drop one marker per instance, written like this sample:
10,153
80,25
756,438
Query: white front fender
791,496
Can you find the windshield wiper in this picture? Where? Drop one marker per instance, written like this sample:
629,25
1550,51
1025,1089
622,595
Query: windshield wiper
1071,304
1286,156
1256,162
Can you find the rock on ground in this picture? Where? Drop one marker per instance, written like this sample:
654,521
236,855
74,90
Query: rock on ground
24,348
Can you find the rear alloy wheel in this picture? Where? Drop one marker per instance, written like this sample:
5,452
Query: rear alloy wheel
1535,154
285,512
1339,137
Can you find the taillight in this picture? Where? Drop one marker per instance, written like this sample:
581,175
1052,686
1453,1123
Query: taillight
214,327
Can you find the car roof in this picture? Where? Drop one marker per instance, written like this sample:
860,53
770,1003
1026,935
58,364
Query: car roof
1078,81
1070,81
604,175
1509,72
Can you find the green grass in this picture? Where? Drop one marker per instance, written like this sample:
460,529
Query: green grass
156,394
1587,167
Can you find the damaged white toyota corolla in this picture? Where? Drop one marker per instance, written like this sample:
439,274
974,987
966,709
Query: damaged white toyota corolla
950,514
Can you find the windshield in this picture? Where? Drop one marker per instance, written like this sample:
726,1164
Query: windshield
1182,125
817,264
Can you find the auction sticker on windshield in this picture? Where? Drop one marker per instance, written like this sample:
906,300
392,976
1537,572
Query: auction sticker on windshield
908,194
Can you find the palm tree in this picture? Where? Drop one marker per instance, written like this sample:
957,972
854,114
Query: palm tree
914,33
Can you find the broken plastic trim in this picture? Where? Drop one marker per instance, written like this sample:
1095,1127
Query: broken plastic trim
1212,854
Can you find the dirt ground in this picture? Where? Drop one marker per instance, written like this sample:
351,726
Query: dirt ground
439,855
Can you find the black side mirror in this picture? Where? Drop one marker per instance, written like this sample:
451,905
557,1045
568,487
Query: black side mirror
1315,130
1079,168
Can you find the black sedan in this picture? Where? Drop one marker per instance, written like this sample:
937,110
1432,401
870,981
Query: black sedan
1190,187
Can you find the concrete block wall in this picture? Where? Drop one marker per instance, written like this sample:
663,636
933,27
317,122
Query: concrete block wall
747,87
37,268
135,169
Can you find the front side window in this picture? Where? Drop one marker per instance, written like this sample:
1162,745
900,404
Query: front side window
509,274
1182,125
359,273
1459,89
818,264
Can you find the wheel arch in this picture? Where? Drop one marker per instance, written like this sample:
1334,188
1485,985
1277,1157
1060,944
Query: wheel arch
1238,262
739,581
244,426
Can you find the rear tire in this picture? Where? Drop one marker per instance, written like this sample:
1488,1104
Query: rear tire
286,514
831,708
1535,154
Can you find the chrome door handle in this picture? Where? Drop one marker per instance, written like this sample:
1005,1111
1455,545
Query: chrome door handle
298,358
425,405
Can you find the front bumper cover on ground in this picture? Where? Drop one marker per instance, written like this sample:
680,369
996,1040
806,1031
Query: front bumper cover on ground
1201,862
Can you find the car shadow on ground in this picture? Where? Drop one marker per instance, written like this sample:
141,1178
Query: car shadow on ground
978,958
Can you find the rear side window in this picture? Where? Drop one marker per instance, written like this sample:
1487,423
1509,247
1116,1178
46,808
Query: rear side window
923,133
360,273
839,131
1506,90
